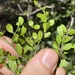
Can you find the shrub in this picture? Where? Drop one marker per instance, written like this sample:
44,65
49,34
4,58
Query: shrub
32,36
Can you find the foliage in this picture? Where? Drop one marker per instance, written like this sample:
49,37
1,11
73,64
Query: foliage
52,28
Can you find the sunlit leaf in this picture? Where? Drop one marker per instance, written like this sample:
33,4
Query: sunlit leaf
73,46
71,31
67,46
34,35
23,30
40,35
46,35
55,46
58,39
37,26
47,13
21,20
42,17
67,39
18,23
63,27
31,23
46,26
9,28
51,22
60,31
63,63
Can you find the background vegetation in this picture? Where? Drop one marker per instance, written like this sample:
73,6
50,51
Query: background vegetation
35,24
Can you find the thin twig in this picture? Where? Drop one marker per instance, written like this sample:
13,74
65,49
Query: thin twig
37,10
72,21
20,7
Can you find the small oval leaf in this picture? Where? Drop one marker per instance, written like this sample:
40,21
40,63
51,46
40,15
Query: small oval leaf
34,35
71,31
63,63
9,28
40,35
55,46
73,46
46,35
67,39
51,22
37,26
58,39
23,30
67,46
60,31
19,49
63,27
21,20
30,22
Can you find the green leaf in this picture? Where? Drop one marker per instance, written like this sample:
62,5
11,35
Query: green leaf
47,13
42,17
2,33
1,51
46,26
40,35
12,57
71,31
18,24
21,20
9,28
46,35
51,22
67,46
67,39
29,41
15,38
12,65
63,63
31,23
37,26
21,40
63,27
73,46
23,30
19,49
35,2
26,48
58,39
60,31
1,61
55,46
34,35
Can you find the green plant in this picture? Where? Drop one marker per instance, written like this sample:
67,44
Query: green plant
65,47
30,38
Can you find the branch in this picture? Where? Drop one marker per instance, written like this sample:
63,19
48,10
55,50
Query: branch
72,21
37,10
20,7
